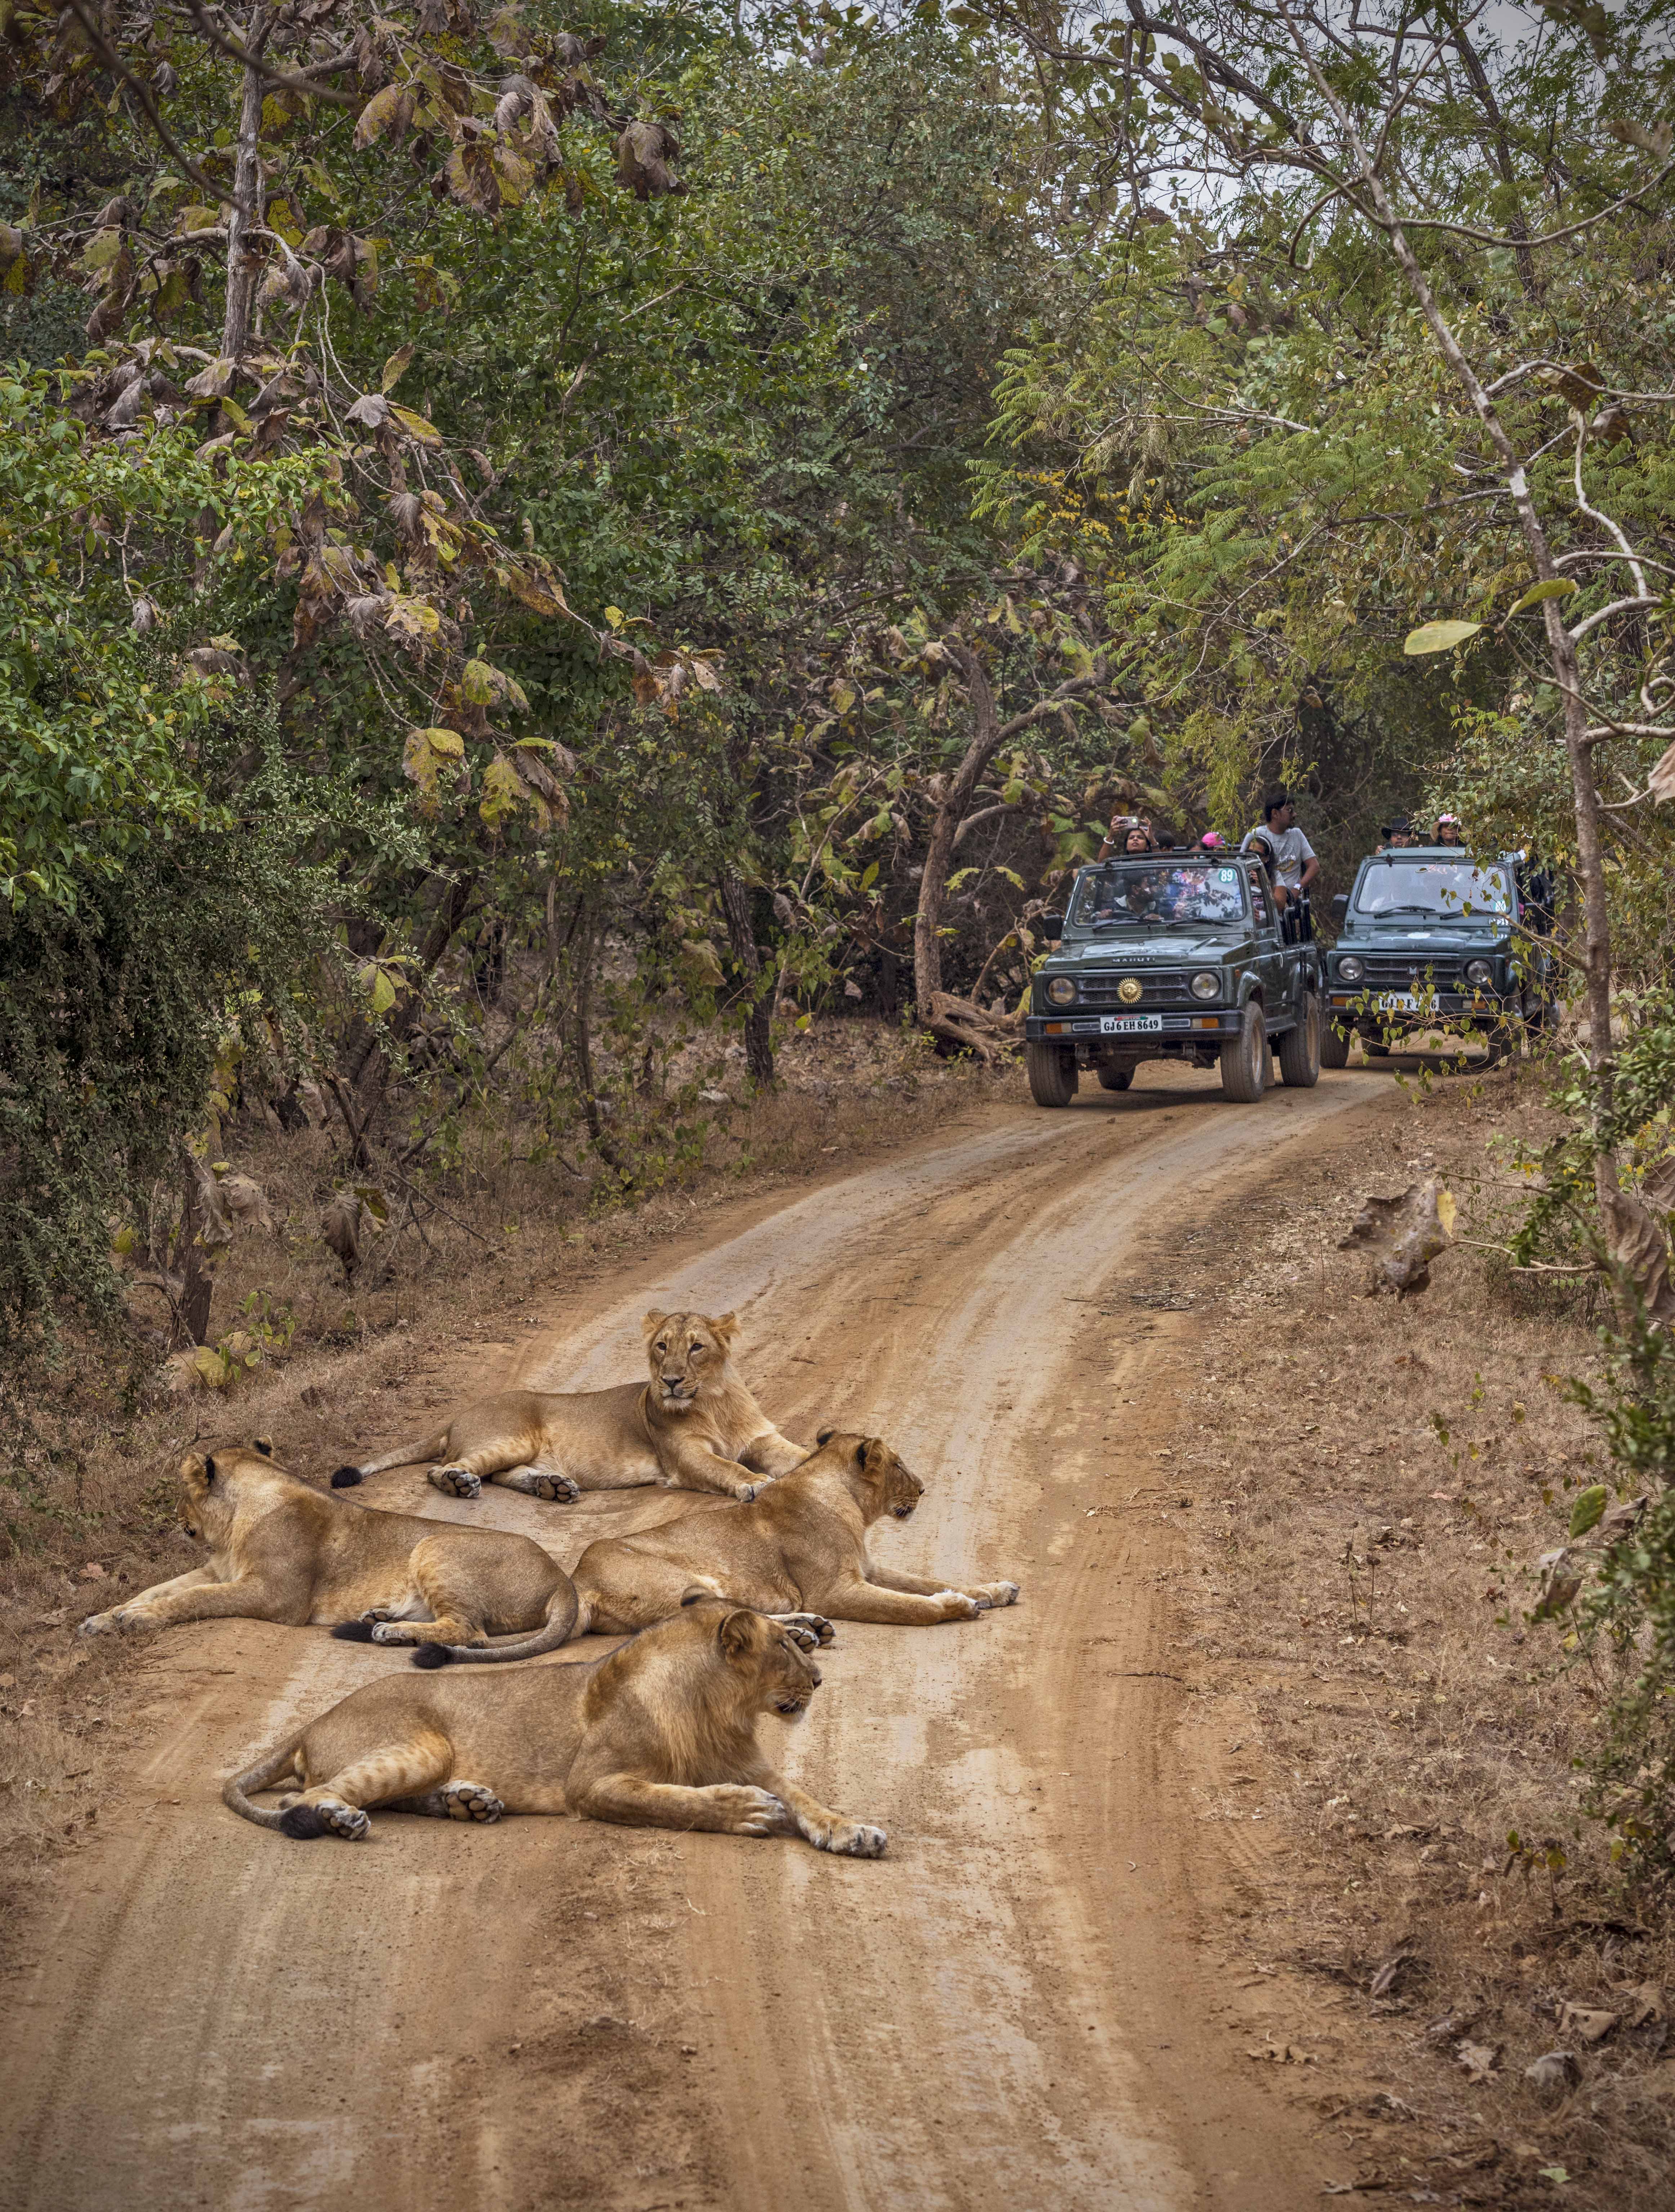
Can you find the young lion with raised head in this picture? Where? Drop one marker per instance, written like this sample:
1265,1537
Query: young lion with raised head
798,1552
279,1550
693,1425
660,1733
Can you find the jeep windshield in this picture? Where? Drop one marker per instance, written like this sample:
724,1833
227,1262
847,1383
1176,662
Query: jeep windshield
1145,895
1456,889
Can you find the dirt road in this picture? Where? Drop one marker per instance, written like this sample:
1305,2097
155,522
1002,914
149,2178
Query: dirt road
1015,2007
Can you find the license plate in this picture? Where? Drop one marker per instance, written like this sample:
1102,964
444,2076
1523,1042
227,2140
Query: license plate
1119,1025
1391,1002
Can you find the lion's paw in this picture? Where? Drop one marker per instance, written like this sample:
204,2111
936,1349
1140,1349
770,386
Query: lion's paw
809,1630
456,1481
748,1492
957,1606
750,1811
386,1631
348,1821
469,1801
555,1489
853,1839
98,1624
997,1594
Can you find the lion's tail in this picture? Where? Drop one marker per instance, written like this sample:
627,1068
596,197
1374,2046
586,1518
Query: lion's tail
426,1447
262,1776
563,1613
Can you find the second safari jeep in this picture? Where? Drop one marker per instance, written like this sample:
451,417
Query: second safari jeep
1432,938
1172,956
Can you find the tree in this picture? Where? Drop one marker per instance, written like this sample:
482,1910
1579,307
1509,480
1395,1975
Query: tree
1414,157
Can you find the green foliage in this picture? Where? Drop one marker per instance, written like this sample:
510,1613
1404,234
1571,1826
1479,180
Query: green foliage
97,727
114,1000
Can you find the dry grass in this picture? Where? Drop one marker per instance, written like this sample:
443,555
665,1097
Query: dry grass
1364,1583
90,1438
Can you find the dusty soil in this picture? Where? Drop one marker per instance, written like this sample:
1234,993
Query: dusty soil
1034,2000
1357,1603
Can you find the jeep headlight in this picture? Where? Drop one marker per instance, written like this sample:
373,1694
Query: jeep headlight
1062,991
1479,974
1205,985
1351,969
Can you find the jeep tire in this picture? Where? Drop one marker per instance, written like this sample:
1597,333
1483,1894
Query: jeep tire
1300,1048
1334,1044
1114,1079
1052,1072
1245,1058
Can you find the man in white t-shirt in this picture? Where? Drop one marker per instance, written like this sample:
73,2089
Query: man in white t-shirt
1295,861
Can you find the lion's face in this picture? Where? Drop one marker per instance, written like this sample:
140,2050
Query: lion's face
878,1480
686,1354
782,1677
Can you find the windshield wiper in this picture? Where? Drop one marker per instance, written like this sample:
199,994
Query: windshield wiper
1377,913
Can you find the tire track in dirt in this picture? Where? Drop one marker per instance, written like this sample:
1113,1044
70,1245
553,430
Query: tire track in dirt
1008,2010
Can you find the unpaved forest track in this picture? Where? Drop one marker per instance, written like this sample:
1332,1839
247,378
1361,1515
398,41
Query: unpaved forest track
1010,2010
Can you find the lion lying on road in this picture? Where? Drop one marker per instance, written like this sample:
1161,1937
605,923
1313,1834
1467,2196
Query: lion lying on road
662,1733
692,1426
279,1550
798,1553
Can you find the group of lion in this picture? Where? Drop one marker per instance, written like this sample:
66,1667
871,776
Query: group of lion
722,1605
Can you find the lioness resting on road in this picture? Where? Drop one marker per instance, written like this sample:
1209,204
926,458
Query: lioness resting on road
660,1733
798,1552
692,1426
279,1550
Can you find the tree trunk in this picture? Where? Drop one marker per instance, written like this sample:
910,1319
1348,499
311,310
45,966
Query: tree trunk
1562,651
584,953
204,1234
244,263
944,828
759,1017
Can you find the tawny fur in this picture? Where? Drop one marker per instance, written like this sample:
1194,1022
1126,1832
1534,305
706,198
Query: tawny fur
279,1550
660,1733
798,1551
691,1426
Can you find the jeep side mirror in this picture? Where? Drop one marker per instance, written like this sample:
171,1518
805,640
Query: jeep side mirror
1052,927
1340,907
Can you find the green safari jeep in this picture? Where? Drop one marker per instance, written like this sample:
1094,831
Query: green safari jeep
1432,936
1172,956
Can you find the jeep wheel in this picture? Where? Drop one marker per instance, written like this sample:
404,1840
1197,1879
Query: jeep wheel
1334,1044
1052,1073
1244,1059
1300,1048
1115,1078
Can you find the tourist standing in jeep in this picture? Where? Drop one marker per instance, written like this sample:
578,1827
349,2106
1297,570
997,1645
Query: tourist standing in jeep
1295,859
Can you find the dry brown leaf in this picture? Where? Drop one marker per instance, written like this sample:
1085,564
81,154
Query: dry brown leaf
1640,1248
1402,1236
1554,2070
1587,2021
1644,2002
1661,781
644,154
1479,2059
246,1201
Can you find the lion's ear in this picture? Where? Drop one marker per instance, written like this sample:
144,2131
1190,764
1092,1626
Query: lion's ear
826,1436
653,1321
725,1326
737,1633
193,1469
264,1445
